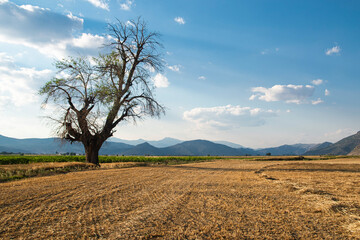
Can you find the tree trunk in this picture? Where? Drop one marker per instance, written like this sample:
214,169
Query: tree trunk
92,154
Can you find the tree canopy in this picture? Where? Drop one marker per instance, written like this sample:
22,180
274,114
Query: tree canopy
94,95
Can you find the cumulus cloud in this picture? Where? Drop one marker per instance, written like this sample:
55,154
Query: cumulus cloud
175,68
179,20
32,24
75,18
227,117
287,93
87,40
160,81
126,5
48,32
317,81
327,92
31,8
99,4
202,78
333,50
17,83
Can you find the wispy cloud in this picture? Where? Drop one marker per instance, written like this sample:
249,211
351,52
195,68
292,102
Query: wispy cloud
100,4
318,101
126,4
333,50
317,82
227,117
287,93
174,68
269,51
202,78
17,83
160,81
327,92
179,20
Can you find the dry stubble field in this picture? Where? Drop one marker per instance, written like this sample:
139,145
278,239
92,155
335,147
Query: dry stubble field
232,199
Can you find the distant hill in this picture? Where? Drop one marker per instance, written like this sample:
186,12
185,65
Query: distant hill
166,142
229,144
39,145
203,148
53,145
318,147
355,151
143,149
342,147
296,149
130,142
112,148
175,147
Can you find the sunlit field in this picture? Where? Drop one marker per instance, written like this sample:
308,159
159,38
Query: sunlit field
226,198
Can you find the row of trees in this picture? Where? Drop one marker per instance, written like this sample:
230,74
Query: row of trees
93,97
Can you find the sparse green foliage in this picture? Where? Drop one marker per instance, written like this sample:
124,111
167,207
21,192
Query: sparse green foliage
94,97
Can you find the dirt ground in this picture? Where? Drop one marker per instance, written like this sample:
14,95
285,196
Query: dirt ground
225,199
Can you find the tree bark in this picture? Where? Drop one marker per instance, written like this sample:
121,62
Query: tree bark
92,154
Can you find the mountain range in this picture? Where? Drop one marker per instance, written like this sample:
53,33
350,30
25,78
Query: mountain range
171,146
343,147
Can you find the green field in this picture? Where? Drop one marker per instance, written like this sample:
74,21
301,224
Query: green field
18,159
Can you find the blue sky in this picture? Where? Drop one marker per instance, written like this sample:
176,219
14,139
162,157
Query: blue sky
258,73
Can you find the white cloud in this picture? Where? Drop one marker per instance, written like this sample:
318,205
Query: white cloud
149,68
48,32
87,40
327,92
126,5
17,83
175,68
179,20
288,93
75,18
100,4
129,24
37,26
227,117
315,102
161,81
31,8
202,78
317,81
332,50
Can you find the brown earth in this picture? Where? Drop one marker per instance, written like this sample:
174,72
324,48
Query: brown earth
229,199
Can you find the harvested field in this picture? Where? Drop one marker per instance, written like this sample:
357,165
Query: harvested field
233,199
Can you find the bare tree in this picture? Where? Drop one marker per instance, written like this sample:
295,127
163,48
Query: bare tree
93,98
